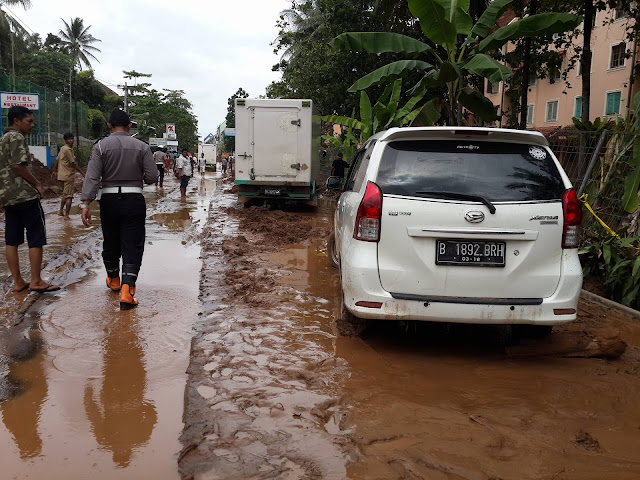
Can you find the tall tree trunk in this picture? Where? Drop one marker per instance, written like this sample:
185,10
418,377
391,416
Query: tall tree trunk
585,59
526,72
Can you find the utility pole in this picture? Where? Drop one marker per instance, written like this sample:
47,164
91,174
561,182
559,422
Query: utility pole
13,64
126,88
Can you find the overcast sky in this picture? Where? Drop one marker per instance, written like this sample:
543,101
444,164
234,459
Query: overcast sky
208,48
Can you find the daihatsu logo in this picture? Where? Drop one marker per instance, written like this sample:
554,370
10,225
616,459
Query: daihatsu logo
474,216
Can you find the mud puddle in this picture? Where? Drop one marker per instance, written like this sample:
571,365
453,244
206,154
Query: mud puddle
96,392
275,392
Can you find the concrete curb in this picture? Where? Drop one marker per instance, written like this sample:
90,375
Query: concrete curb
605,302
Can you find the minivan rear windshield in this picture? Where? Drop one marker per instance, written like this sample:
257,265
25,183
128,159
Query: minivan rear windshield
499,172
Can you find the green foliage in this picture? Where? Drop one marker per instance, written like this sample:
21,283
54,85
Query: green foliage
89,90
457,54
615,262
155,109
47,68
230,142
542,24
598,125
384,114
312,69
97,123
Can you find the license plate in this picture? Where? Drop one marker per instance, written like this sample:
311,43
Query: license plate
477,253
268,191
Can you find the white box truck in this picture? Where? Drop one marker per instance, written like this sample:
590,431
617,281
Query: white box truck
210,153
277,149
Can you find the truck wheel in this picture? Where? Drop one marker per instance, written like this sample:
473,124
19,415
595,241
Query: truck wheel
348,324
332,251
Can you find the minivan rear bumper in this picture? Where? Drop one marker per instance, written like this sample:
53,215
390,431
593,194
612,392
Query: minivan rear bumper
361,283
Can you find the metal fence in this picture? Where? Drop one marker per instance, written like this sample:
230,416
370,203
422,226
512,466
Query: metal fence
597,164
62,115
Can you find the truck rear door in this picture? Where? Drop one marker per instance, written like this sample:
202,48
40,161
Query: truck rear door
273,133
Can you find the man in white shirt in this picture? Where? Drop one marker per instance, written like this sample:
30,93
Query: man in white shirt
203,165
184,171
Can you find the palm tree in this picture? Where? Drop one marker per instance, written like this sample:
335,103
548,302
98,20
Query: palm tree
303,19
10,28
79,42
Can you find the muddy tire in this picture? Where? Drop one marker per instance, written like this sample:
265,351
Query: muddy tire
348,324
332,252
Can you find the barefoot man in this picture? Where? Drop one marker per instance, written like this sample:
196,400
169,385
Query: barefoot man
20,194
65,168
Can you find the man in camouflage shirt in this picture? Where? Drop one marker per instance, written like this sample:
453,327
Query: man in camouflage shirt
20,194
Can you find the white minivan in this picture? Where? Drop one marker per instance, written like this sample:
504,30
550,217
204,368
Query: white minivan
458,224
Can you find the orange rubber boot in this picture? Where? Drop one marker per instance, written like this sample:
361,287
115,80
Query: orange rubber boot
113,284
126,297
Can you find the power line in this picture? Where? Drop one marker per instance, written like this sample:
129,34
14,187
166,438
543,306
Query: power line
20,21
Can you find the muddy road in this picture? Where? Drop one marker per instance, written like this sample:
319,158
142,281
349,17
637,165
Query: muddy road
88,391
275,392
233,368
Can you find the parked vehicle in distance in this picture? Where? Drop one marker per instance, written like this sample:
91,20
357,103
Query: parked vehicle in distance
458,224
210,154
277,153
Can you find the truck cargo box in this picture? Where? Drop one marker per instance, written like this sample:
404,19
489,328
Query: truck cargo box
277,149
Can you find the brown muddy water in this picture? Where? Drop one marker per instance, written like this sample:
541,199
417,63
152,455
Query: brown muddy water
272,390
88,391
275,392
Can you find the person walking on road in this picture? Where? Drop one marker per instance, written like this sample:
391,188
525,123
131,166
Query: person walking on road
158,156
65,169
121,164
203,165
20,194
183,165
224,165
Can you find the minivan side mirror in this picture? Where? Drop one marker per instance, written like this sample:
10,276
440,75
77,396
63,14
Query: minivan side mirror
334,183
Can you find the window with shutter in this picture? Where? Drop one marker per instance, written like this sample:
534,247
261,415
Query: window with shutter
529,114
578,110
613,103
552,111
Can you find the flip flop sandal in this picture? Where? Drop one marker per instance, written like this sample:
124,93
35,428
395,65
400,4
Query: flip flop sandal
47,289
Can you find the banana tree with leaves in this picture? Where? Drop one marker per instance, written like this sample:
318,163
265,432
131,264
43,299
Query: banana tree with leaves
457,49
385,113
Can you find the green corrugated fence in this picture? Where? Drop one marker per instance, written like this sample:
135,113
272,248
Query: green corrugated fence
53,103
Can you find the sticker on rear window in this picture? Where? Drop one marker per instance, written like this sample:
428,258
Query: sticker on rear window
537,153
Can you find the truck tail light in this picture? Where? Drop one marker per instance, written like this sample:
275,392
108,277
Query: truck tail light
572,218
369,215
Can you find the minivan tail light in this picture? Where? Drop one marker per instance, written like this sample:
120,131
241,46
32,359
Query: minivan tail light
369,215
572,218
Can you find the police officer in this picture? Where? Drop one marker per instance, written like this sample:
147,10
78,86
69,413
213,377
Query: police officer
120,163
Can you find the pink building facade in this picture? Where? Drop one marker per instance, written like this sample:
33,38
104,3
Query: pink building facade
552,104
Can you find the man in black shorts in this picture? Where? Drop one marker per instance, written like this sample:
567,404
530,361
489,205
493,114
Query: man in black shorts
159,158
20,194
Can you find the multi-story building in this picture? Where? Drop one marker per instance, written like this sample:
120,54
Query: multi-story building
551,103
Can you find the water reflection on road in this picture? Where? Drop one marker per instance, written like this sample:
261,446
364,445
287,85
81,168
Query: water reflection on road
88,391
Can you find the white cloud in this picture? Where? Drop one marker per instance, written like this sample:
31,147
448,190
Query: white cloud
207,48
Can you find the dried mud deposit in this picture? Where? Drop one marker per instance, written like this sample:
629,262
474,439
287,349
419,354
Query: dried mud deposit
274,392
262,382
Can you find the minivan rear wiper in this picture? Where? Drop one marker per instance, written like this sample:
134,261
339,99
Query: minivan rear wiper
460,196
